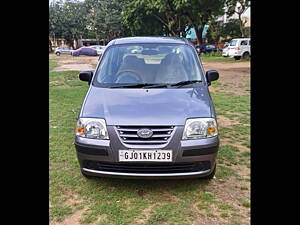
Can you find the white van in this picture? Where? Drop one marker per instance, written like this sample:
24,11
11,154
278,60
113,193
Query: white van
239,48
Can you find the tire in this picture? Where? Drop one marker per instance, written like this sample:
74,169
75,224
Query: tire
237,57
246,55
211,176
57,53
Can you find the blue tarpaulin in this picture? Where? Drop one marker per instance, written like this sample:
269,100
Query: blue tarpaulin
192,34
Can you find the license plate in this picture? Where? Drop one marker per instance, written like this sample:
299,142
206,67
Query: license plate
145,155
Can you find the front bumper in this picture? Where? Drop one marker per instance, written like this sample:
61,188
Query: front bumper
191,158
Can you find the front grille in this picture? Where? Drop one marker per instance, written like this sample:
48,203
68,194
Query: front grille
161,135
147,167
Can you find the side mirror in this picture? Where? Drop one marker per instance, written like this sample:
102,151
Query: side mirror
211,75
86,76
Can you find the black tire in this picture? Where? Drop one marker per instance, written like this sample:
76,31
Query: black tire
57,53
211,176
246,55
237,57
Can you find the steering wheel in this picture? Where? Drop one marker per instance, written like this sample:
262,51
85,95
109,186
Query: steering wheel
131,75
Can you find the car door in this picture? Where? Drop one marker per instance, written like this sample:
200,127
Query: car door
249,44
64,50
244,47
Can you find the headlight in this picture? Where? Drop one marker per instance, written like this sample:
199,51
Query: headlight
200,128
91,128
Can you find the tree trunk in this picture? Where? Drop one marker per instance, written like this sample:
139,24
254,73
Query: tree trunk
241,25
50,45
70,42
199,35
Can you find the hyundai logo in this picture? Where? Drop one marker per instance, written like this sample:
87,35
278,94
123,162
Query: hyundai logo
144,133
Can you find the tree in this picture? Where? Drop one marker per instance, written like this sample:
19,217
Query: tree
67,20
239,7
214,31
198,13
138,22
141,12
231,29
104,18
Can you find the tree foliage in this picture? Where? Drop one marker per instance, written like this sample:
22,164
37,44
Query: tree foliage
67,20
200,12
138,22
238,7
109,19
73,19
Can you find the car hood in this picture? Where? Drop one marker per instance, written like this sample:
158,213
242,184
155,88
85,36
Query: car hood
133,106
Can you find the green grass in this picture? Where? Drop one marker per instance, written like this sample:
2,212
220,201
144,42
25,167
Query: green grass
129,201
217,58
52,64
246,204
229,154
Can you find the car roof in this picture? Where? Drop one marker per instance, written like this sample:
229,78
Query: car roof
138,40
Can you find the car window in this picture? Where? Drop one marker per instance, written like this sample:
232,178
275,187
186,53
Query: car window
244,42
233,43
148,63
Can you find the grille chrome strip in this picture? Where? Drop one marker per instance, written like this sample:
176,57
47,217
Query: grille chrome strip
146,174
161,134
153,136
143,142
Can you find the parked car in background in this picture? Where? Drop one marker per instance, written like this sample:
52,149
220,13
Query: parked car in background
239,48
99,48
62,50
206,49
85,51
148,114
225,50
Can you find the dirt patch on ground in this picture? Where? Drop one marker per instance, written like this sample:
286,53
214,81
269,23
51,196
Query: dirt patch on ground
79,60
73,219
67,62
233,75
79,67
224,193
146,213
226,122
242,148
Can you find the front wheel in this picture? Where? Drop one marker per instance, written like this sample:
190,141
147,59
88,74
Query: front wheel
57,53
246,55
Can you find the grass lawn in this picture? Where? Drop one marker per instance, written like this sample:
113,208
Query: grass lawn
116,201
209,58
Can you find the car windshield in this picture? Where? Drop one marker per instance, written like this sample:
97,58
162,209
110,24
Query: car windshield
233,43
147,64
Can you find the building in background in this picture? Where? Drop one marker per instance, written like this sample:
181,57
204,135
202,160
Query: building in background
246,16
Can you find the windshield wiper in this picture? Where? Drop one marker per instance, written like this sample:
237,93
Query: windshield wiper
186,82
156,85
148,85
130,85
140,85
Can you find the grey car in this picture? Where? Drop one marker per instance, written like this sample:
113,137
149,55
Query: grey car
62,50
99,49
148,112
